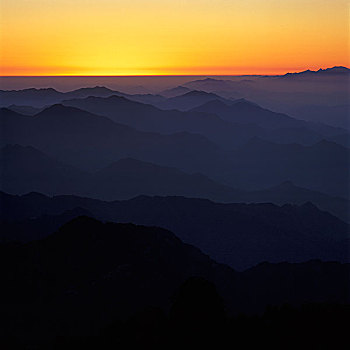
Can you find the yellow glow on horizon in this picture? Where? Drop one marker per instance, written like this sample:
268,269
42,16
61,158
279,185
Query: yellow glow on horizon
171,37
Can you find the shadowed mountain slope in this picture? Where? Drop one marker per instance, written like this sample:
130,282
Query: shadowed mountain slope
90,141
25,169
322,167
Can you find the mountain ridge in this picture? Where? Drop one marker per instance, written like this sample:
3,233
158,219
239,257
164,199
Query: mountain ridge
249,233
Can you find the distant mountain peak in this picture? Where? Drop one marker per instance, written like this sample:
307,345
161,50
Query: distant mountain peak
62,110
210,79
335,69
195,93
35,195
56,108
95,88
327,71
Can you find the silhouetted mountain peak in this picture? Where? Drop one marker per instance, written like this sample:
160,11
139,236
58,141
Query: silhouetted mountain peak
6,112
113,99
206,80
33,196
60,110
95,89
56,108
336,70
210,79
51,90
198,93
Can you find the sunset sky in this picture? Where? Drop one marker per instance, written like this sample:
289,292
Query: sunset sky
171,37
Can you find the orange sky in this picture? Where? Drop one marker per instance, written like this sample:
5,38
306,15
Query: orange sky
174,37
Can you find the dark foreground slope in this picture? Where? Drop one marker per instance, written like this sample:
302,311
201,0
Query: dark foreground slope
240,235
89,274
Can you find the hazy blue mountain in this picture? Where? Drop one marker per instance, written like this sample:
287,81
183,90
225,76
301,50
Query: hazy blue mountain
100,91
30,97
45,97
287,192
190,100
289,94
218,85
129,178
322,167
239,235
41,98
338,116
25,169
26,110
176,91
90,141
246,112
235,125
149,118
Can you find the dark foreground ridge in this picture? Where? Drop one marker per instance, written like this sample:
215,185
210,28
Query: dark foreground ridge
90,277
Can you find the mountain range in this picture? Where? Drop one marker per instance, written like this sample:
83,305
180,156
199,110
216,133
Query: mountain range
240,235
25,169
90,141
337,70
192,212
226,124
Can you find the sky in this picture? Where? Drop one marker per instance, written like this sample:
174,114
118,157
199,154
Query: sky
171,37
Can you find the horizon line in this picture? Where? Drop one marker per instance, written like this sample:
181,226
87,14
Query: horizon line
168,75
138,75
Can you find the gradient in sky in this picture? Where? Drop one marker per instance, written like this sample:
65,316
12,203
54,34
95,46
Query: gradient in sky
171,37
